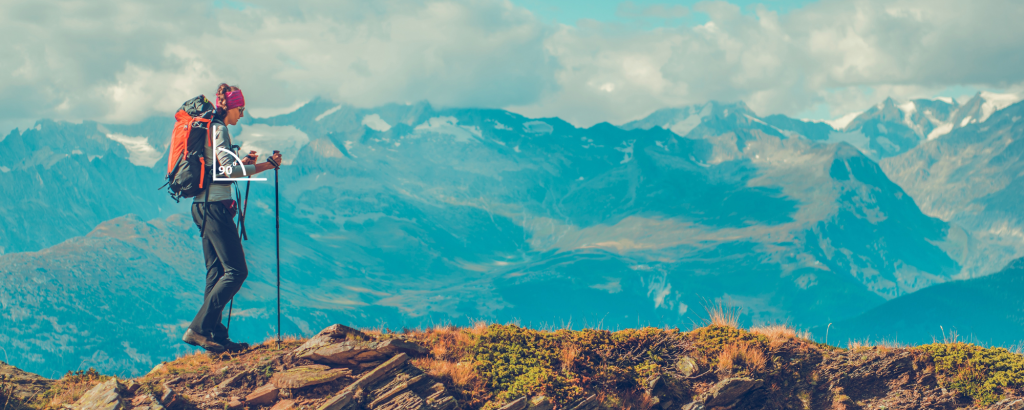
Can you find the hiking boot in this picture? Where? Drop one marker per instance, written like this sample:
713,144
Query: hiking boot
232,346
196,339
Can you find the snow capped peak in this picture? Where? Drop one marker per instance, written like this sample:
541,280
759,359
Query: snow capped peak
995,102
947,100
840,123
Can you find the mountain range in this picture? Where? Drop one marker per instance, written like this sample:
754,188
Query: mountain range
413,216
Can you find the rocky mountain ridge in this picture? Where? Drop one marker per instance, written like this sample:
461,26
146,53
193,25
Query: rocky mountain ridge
506,367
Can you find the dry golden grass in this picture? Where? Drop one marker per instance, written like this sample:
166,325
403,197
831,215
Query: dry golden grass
286,340
722,315
880,344
777,335
460,373
479,327
741,354
570,351
448,343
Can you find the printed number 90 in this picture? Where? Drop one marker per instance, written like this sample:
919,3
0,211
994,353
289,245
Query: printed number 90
226,170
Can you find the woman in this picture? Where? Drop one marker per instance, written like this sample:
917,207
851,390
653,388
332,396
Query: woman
213,211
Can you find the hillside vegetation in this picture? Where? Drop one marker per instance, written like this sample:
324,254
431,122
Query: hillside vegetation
511,367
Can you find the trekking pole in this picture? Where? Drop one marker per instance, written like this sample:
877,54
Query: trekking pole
277,244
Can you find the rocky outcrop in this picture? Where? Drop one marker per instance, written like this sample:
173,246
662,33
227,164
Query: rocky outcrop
393,385
342,345
105,396
725,394
305,376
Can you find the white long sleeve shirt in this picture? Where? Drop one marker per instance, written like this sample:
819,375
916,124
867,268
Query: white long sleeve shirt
222,139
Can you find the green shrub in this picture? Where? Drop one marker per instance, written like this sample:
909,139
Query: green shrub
516,362
977,372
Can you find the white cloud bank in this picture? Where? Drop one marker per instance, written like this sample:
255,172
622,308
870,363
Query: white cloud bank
121,61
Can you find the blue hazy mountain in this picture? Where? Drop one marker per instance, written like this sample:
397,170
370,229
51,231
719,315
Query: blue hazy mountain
411,215
984,310
973,177
62,179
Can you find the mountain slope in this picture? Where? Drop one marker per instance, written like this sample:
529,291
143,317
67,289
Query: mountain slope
985,310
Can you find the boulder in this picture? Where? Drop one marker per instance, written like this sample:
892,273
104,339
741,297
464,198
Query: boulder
1012,403
329,336
169,398
233,380
587,403
105,396
284,405
263,395
540,403
146,402
355,352
727,392
687,366
235,403
518,404
303,376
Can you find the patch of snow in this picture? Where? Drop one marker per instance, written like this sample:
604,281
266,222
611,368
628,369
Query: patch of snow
882,129
76,152
684,127
326,113
374,122
516,149
840,123
967,120
908,108
940,131
139,151
627,151
755,119
947,100
500,126
449,126
4,169
264,139
538,127
995,102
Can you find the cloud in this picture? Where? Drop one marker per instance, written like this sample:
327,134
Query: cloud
847,55
121,61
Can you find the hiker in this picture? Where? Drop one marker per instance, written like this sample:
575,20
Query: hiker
213,211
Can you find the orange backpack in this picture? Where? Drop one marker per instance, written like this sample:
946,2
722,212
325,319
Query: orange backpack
187,172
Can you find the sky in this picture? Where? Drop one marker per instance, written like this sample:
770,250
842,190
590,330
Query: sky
584,61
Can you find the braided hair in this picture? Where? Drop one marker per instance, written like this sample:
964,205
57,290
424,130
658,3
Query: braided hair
222,99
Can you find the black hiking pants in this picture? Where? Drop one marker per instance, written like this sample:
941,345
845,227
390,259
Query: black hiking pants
225,266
